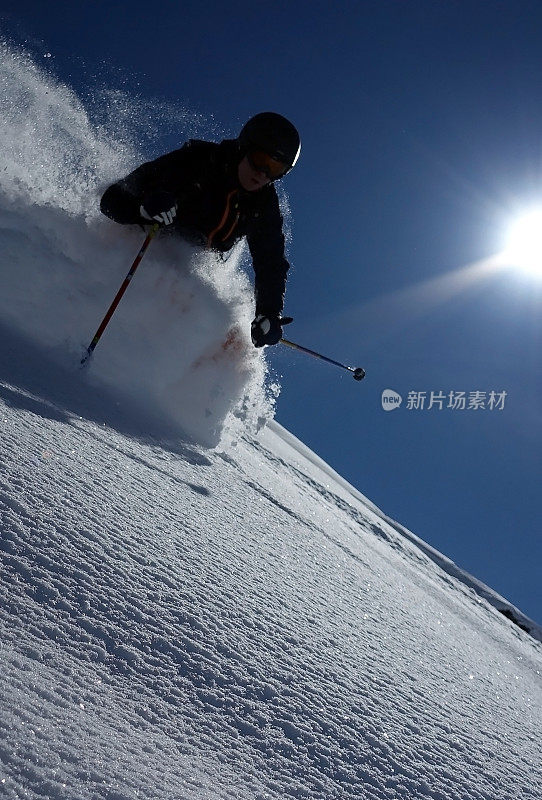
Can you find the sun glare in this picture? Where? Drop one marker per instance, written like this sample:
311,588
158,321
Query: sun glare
524,243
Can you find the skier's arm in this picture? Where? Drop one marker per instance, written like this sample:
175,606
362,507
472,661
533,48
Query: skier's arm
169,173
266,245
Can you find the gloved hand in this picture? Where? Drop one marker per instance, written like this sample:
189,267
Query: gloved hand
266,330
159,207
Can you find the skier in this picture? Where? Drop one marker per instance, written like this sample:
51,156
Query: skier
214,194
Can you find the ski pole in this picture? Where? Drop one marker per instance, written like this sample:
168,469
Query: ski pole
358,372
118,296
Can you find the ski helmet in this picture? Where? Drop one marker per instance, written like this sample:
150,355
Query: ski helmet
273,134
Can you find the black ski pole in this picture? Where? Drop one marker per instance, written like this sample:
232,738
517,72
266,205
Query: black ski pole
118,296
357,372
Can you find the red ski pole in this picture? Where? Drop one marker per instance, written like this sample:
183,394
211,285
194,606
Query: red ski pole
118,296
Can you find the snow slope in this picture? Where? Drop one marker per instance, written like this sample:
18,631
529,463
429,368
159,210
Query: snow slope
184,622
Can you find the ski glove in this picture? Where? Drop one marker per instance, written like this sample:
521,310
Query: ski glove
159,207
265,330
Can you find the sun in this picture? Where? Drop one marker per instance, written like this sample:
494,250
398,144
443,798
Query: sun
524,242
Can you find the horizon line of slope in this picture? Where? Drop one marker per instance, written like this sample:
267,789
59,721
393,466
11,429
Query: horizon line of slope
446,564
94,407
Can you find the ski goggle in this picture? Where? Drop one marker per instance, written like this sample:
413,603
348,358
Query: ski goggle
263,162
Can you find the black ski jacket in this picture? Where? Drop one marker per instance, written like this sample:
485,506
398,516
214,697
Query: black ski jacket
213,209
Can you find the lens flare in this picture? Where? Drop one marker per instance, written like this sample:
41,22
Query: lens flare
524,243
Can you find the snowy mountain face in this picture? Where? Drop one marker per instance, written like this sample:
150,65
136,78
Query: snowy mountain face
193,605
181,623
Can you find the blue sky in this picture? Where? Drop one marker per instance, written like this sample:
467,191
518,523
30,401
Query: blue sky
422,136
